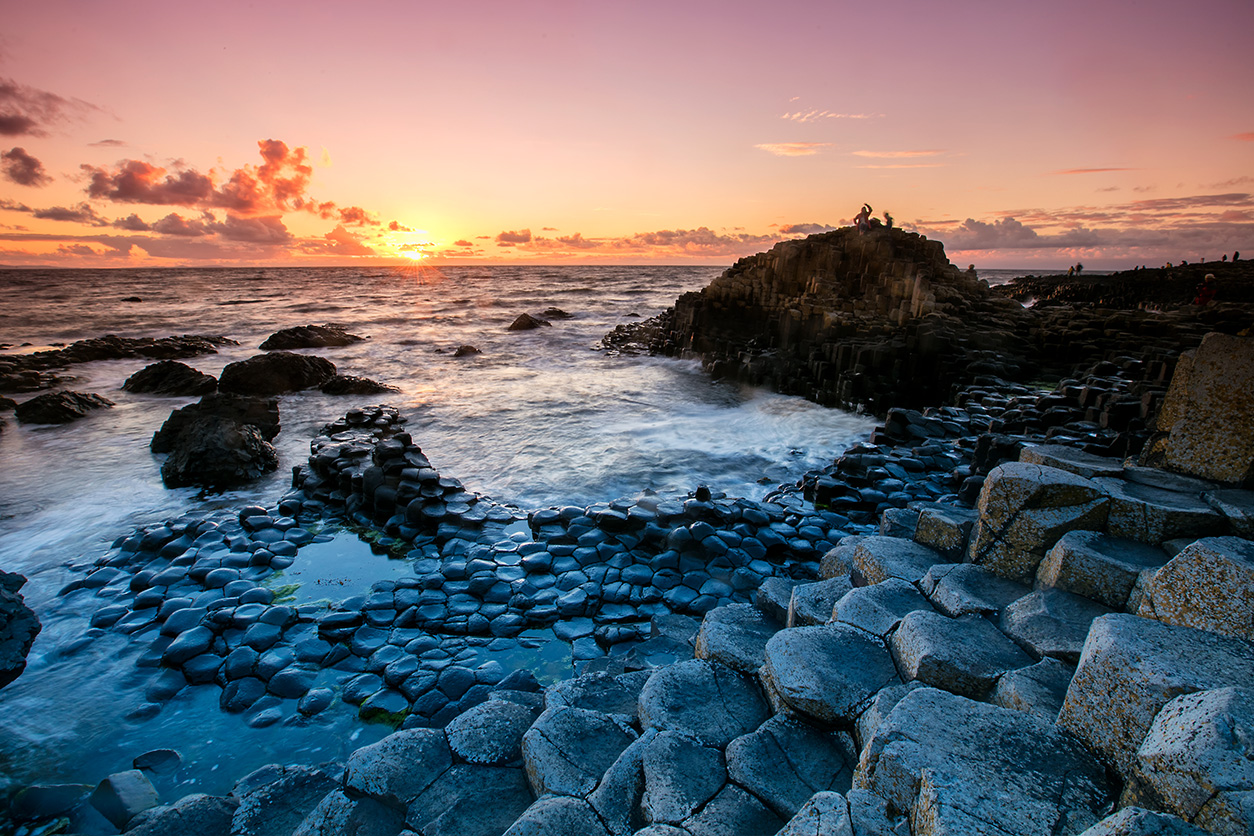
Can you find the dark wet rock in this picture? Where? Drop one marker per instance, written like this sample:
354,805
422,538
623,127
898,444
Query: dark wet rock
309,336
971,767
123,795
567,750
786,761
45,801
59,407
262,413
708,701
218,453
203,815
273,801
470,800
275,373
159,761
112,347
172,378
830,673
466,351
345,384
18,627
556,313
527,322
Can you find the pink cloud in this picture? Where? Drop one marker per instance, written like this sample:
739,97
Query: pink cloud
511,237
22,168
792,149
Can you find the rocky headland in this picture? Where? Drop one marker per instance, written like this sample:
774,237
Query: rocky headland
1014,609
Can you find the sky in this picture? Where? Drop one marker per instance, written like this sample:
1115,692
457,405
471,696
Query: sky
145,134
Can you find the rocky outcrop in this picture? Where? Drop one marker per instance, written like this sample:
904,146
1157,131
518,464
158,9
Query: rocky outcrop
18,628
527,322
59,407
26,372
275,373
346,384
220,442
172,378
309,336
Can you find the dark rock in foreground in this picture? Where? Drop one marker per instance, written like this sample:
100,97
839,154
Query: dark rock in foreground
59,407
275,373
112,347
216,452
170,377
527,322
309,336
262,413
18,628
347,384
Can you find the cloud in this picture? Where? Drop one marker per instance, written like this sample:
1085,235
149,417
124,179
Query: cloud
135,181
804,229
894,155
1246,137
132,222
278,184
903,165
792,149
462,243
396,226
263,230
22,168
27,111
356,216
338,241
14,206
578,242
1090,170
815,115
107,143
83,213
512,237
175,224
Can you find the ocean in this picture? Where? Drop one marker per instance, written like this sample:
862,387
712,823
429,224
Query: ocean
536,419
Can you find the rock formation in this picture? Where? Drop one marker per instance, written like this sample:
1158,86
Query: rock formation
59,407
172,378
275,373
309,336
18,628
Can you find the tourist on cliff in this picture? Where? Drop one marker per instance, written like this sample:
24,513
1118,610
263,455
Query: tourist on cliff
1206,290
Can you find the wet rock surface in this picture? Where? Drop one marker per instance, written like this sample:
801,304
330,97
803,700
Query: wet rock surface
275,373
172,378
23,372
18,627
59,407
309,336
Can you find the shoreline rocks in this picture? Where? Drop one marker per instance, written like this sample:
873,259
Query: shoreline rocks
275,373
18,627
59,407
309,336
171,378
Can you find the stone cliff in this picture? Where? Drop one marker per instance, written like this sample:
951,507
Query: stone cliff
882,319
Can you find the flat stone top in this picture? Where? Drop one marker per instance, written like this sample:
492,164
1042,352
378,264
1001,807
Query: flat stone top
1072,460
1154,497
1120,550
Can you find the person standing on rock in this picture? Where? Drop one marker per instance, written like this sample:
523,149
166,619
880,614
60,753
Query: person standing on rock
1206,290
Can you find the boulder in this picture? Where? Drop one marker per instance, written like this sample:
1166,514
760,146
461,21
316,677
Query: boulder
469,800
491,733
1150,514
399,767
123,795
830,673
347,384
1207,418
466,351
59,407
773,597
1037,689
273,801
879,709
1137,821
567,750
967,589
813,603
1098,566
618,798
785,761
18,627
262,413
945,528
558,814
961,655
1237,506
877,558
204,815
1209,585
1196,760
218,453
706,700
824,814
954,765
309,336
1050,622
733,812
680,776
275,373
1071,460
1131,667
171,378
1024,510
339,813
527,322
878,609
601,691
735,635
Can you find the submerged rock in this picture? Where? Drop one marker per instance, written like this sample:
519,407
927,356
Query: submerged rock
345,384
275,373
59,407
18,628
309,336
526,322
170,377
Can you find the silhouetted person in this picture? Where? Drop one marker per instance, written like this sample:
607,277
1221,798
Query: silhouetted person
1224,259
1206,290
1079,268
1236,255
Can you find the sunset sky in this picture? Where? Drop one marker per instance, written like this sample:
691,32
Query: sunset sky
1019,134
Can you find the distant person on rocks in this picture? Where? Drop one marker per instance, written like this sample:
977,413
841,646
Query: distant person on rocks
1079,268
1236,255
888,219
1206,290
1224,259
1071,271
863,219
